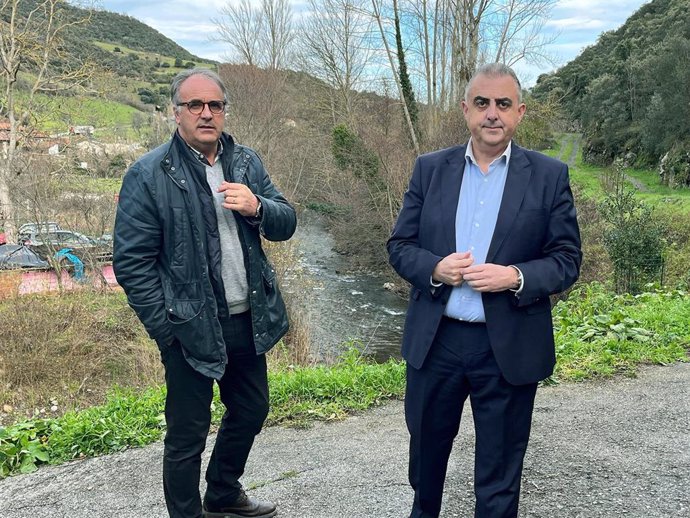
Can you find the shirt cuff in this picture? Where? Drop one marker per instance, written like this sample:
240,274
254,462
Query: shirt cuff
521,280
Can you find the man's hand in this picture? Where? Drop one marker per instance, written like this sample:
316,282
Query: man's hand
449,269
490,277
238,197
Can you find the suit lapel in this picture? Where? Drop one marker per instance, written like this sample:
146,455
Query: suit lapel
517,180
451,180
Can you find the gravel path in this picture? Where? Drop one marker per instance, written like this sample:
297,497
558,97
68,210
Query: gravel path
611,449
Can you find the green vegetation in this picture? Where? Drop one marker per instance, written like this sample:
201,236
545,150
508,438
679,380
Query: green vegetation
634,237
665,209
330,392
629,91
108,186
155,56
590,179
77,347
124,68
128,418
350,153
601,334
127,32
598,334
91,111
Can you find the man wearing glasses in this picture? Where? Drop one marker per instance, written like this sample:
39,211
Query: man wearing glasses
188,254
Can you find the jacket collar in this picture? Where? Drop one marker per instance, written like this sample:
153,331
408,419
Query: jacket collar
517,179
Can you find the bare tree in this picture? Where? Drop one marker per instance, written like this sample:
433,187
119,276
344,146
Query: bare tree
259,110
30,39
259,35
335,47
377,13
239,25
453,37
516,31
278,35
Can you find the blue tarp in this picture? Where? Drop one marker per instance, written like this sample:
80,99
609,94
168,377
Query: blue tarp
78,265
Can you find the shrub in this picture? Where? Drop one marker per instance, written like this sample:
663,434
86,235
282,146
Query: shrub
350,152
634,238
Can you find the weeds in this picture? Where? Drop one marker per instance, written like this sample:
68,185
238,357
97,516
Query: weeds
598,334
135,418
68,351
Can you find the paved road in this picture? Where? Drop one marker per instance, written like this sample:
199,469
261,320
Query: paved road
611,449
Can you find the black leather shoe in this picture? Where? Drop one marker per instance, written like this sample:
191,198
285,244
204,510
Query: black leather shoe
244,507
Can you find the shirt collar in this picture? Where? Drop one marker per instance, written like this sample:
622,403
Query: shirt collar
469,154
202,158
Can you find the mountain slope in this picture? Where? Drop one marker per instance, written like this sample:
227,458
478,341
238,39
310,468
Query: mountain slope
629,90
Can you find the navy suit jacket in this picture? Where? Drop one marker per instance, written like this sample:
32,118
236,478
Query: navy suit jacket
536,231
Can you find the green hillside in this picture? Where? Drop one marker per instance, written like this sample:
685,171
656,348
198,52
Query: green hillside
126,31
130,63
628,92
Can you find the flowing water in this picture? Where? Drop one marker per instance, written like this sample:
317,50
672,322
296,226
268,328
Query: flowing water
342,307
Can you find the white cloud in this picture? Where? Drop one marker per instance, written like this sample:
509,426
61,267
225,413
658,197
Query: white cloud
610,5
601,15
578,23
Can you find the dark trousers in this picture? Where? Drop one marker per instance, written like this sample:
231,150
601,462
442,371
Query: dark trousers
243,391
461,364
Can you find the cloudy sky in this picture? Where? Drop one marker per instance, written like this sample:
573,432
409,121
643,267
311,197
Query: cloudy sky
578,23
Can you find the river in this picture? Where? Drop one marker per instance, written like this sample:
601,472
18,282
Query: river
340,306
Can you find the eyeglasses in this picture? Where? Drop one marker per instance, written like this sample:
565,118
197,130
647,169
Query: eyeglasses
196,107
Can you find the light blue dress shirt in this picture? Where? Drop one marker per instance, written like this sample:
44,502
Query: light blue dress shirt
475,221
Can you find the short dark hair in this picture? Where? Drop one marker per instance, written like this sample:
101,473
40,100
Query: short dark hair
494,70
186,74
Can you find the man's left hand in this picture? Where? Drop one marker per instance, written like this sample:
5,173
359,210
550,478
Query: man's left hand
490,277
240,198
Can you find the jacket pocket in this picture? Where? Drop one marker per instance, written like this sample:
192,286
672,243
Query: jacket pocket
182,311
268,274
179,236
192,327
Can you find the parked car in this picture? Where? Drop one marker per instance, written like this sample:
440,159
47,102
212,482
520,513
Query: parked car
41,227
46,243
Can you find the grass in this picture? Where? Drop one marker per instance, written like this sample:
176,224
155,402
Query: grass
57,114
598,335
135,418
67,351
588,178
331,392
88,184
151,56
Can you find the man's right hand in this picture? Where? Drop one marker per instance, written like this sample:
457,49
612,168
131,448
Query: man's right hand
447,270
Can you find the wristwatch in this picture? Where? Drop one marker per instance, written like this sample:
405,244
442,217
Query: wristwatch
258,209
520,280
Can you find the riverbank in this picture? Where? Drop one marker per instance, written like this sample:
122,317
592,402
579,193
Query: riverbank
598,449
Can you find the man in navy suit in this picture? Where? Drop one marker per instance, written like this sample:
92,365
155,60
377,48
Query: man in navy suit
486,233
